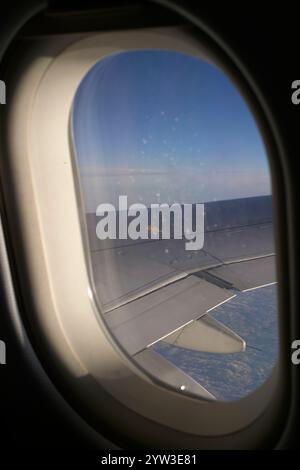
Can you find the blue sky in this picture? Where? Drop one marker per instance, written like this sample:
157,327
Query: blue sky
161,126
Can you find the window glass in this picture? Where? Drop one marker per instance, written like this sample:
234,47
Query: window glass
178,208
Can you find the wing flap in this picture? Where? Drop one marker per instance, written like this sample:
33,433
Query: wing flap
207,335
144,321
243,275
149,289
168,373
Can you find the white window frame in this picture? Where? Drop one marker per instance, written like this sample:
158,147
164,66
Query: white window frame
47,193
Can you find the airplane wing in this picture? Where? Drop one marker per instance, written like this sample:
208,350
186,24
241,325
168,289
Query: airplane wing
154,290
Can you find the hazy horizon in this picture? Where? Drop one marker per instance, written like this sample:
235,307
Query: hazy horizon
161,126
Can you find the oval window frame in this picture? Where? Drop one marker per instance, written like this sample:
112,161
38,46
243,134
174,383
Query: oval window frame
64,336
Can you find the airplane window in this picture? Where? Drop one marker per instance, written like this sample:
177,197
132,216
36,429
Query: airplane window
176,192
